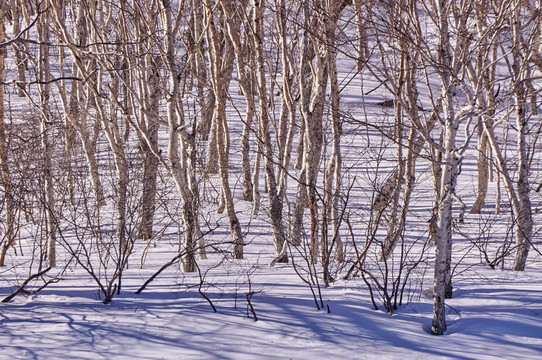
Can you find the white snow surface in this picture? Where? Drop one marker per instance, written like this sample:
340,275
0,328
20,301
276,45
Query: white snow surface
494,314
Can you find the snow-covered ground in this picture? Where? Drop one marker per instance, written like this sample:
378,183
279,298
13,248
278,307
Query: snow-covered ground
494,314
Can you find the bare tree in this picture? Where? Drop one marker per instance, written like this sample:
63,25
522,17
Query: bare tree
333,181
220,79
275,201
448,61
9,207
77,105
235,14
46,121
313,83
289,102
8,237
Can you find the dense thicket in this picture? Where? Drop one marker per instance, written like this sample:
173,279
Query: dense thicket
122,122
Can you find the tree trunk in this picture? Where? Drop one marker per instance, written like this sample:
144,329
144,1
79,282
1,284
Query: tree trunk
275,202
363,42
442,278
176,131
150,159
483,75
205,94
310,131
406,170
46,147
334,171
287,124
20,49
222,58
5,177
483,171
78,115
524,219
243,54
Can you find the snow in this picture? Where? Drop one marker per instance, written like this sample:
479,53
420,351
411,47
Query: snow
494,314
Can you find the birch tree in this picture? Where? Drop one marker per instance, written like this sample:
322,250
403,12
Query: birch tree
177,131
522,84
506,27
289,102
449,58
46,121
481,73
236,14
8,238
518,187
313,83
275,201
222,57
77,104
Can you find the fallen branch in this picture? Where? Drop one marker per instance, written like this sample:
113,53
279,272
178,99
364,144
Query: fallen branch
248,296
21,288
164,267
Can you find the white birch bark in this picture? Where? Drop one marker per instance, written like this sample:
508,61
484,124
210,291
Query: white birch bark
448,178
45,133
275,202
450,59
4,168
334,171
481,73
205,94
288,121
19,48
307,86
150,75
177,131
220,58
243,55
78,108
520,77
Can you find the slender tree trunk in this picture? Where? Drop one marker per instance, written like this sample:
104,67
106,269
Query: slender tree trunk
518,189
436,170
5,177
110,124
275,202
306,82
212,166
524,219
69,132
287,122
406,173
398,178
222,132
523,213
46,129
256,197
243,54
206,96
363,43
522,227
483,75
78,108
20,48
334,171
443,239
176,131
483,171
150,160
